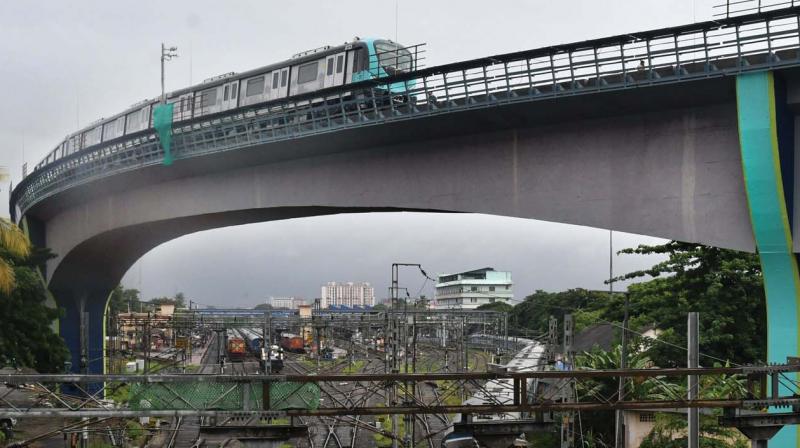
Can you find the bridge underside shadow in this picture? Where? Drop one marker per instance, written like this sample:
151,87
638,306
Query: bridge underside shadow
92,270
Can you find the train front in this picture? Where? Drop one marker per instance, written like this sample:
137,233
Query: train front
387,58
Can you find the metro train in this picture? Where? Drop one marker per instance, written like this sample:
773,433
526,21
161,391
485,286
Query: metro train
309,71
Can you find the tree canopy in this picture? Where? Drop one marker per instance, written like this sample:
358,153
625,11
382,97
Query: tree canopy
26,336
502,307
724,286
14,245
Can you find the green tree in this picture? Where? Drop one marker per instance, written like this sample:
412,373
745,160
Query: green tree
179,300
724,286
533,313
13,245
502,307
26,336
121,300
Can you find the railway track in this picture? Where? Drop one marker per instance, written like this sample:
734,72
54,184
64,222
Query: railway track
339,432
186,430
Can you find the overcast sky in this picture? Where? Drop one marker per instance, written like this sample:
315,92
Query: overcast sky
66,64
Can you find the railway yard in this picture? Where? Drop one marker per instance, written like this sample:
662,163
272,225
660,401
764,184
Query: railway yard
331,344
419,379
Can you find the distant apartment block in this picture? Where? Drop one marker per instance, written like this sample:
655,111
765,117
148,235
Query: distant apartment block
285,302
347,294
471,289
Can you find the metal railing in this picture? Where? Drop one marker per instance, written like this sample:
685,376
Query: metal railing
761,41
733,8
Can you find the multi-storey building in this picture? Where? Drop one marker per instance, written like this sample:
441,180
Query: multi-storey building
347,294
286,302
471,289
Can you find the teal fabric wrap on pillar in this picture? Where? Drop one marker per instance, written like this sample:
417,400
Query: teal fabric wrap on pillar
761,165
162,122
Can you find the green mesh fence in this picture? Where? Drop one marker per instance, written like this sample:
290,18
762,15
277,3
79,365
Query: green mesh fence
287,395
222,396
162,122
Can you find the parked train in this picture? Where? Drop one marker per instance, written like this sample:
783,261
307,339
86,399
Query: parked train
255,345
235,346
254,340
292,343
309,71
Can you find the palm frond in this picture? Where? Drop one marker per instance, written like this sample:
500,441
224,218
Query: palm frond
7,280
13,240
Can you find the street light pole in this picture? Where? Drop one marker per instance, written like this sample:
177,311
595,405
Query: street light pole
166,55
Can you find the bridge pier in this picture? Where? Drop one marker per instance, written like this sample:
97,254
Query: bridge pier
766,137
82,327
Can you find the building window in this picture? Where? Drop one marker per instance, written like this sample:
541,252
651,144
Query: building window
647,417
473,288
491,288
473,300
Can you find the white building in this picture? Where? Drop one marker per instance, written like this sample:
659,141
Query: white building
347,294
285,302
471,289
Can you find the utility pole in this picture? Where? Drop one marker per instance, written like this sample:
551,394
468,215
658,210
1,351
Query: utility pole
693,361
568,420
166,55
394,336
623,358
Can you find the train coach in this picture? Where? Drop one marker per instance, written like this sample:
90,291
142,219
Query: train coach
306,72
292,343
254,340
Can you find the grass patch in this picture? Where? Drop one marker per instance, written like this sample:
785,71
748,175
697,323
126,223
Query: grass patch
355,367
386,425
135,432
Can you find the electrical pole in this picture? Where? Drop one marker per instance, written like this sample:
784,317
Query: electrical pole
693,361
568,422
166,55
623,358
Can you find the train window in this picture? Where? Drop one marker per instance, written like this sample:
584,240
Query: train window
209,97
225,95
356,60
275,80
233,90
255,86
284,75
330,66
339,63
307,72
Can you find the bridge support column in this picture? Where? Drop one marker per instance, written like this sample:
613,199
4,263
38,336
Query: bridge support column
82,328
759,137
